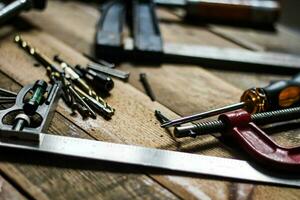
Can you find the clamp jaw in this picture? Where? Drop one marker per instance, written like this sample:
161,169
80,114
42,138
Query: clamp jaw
18,126
258,144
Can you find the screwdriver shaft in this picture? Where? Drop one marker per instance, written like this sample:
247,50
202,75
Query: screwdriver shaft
203,115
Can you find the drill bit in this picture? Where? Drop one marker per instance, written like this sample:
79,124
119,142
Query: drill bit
107,110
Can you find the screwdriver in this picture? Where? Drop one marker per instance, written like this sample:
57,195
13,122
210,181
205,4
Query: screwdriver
264,12
277,95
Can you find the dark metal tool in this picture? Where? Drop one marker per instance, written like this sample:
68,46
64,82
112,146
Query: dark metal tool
5,100
277,95
13,8
240,126
144,28
63,72
97,80
7,93
146,34
109,71
35,120
147,87
160,117
238,12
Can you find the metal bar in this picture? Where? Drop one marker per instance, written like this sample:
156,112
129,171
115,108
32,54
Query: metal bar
236,59
155,158
110,71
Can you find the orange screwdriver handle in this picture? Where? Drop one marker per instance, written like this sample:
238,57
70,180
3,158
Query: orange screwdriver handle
259,145
234,11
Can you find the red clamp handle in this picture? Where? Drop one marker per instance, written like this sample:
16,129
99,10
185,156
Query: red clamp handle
259,145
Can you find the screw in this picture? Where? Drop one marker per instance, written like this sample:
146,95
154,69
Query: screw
218,125
146,85
160,117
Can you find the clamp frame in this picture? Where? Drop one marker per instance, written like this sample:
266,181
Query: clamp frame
258,144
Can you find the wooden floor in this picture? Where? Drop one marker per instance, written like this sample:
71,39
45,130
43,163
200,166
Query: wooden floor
68,28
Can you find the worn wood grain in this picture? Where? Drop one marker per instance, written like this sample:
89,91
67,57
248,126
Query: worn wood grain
8,192
188,187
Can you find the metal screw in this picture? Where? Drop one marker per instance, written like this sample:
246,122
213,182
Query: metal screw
146,85
160,117
218,125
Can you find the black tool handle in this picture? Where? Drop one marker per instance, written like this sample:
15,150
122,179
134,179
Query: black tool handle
97,80
283,94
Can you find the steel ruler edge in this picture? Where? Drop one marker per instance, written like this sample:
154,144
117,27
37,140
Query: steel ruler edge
155,158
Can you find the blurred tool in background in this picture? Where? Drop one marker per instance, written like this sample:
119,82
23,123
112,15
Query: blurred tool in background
9,9
145,44
257,13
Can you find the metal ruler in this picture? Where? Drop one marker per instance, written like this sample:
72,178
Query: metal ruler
150,157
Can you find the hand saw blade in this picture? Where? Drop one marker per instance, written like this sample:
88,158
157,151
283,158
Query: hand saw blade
156,158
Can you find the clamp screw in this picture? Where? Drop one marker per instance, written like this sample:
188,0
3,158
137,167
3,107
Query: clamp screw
218,125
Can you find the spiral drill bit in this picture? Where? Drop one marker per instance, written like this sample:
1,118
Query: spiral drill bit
106,109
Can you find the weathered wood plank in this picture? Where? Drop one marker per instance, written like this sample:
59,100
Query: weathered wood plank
8,192
209,191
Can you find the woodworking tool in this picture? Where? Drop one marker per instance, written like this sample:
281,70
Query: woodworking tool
26,134
149,157
258,13
240,126
109,71
277,95
146,85
97,80
66,72
21,121
13,8
148,47
160,117
75,96
7,93
5,100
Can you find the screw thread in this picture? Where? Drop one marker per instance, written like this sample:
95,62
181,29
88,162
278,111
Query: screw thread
217,125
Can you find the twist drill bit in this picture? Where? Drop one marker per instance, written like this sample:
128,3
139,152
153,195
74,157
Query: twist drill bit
107,110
